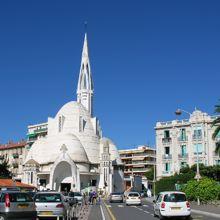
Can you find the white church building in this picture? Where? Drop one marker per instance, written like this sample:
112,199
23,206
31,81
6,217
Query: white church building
72,154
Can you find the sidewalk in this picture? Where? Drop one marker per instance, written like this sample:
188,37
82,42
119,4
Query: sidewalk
207,209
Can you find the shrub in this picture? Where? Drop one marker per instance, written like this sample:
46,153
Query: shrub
206,189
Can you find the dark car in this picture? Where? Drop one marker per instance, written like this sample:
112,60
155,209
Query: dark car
17,205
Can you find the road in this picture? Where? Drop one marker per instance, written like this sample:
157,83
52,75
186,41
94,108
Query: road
122,212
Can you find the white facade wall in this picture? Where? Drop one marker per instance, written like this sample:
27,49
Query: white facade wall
179,156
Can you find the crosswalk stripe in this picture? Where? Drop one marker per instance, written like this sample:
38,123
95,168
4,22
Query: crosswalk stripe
146,205
147,212
120,206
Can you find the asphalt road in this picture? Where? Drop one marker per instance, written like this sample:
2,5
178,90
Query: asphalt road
123,212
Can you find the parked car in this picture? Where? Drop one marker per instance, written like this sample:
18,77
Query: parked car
51,204
116,197
172,204
17,205
133,198
75,195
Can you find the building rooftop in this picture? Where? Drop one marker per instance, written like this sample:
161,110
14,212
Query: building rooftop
8,183
138,149
12,145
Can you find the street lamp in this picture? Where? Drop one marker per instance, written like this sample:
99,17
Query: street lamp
154,181
197,176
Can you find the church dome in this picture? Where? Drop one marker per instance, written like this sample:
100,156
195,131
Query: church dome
45,151
73,118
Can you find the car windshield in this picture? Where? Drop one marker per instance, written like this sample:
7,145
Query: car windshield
44,197
72,194
133,194
18,197
175,197
116,194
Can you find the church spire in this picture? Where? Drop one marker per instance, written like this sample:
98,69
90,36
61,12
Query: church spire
85,84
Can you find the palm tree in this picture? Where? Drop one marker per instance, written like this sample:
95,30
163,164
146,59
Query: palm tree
216,124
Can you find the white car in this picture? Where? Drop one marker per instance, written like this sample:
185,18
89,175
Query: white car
172,204
133,198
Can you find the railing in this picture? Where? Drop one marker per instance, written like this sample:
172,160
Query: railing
183,155
167,172
15,155
166,140
130,163
183,138
196,137
167,156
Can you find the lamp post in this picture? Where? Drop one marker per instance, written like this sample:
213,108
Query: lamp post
154,181
197,176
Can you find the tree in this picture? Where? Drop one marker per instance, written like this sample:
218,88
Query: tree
216,124
4,168
150,174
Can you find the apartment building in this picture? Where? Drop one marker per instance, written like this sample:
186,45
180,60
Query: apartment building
182,142
137,162
35,132
15,153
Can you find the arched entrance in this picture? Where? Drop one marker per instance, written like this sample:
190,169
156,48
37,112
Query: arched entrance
64,175
62,178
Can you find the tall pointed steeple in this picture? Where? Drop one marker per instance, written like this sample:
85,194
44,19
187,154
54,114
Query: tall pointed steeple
85,84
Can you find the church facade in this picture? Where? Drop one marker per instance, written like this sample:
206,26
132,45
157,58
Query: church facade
72,154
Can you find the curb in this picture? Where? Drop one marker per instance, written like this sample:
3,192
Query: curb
206,213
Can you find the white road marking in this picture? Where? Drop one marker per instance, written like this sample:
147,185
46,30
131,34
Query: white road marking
152,214
103,216
146,205
120,206
147,212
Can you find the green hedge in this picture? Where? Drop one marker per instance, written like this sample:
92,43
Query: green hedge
206,189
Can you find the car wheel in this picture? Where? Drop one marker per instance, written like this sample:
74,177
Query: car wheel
188,217
2,217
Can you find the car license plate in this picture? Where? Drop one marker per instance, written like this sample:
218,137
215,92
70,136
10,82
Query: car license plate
23,206
175,208
46,213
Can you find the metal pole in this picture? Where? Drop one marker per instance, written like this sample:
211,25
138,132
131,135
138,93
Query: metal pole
197,163
154,181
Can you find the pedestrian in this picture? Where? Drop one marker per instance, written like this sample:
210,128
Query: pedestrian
90,197
94,197
149,194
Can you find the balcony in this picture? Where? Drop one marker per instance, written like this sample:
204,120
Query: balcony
167,156
197,137
15,155
15,165
166,140
167,173
182,138
183,156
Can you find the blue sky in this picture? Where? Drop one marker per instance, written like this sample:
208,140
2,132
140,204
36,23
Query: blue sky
147,59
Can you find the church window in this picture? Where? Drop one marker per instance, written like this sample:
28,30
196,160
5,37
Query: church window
82,124
31,177
60,123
